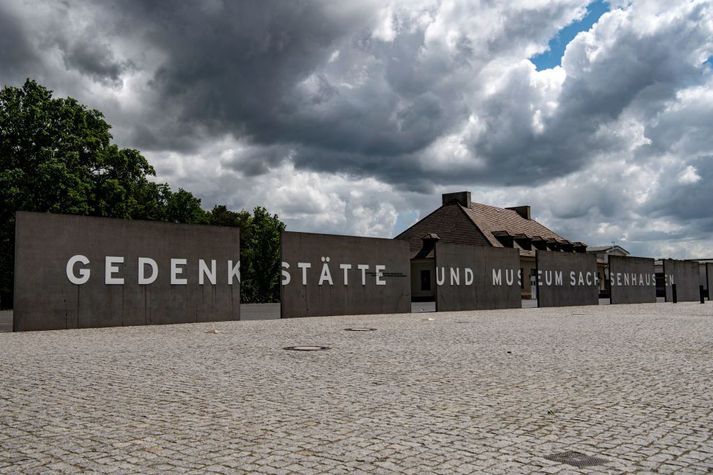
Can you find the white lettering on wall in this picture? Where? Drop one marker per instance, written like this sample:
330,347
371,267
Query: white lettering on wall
111,268
83,276
147,270
143,262
468,276
326,275
441,279
497,277
455,276
380,274
304,266
177,271
509,277
286,278
205,271
346,268
233,272
619,279
363,268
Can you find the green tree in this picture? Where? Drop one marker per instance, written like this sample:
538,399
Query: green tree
183,207
56,156
259,251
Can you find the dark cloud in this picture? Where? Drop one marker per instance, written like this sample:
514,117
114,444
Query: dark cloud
95,59
398,98
17,56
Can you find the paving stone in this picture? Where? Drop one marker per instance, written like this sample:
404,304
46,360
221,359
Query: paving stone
629,384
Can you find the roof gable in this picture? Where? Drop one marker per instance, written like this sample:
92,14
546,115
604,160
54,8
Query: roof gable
450,223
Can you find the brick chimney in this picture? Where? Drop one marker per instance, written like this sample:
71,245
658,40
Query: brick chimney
523,211
460,197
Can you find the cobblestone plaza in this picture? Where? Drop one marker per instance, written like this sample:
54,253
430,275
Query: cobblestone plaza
491,391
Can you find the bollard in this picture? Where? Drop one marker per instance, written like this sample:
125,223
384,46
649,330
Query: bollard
673,294
702,293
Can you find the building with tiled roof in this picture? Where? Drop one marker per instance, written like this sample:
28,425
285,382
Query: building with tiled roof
461,221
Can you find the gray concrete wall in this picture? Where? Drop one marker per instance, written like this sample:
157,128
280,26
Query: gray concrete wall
493,271
632,279
685,275
322,289
45,299
566,279
709,277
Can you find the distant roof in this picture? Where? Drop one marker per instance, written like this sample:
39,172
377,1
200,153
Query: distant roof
609,248
491,219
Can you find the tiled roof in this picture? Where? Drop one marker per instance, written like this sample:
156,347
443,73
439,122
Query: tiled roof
490,219
450,223
477,225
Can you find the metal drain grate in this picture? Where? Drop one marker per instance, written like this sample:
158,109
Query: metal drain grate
577,459
360,329
306,348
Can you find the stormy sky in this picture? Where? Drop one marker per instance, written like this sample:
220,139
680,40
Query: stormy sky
353,117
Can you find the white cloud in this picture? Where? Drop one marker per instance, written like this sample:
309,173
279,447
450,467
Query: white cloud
689,176
351,115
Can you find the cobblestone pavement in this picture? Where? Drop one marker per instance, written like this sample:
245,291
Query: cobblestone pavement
464,392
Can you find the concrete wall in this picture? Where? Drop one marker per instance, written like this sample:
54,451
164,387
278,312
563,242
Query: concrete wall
476,277
321,289
709,277
45,299
685,275
632,279
566,279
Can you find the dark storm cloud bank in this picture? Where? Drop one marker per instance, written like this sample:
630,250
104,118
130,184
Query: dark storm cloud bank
434,98
262,73
94,59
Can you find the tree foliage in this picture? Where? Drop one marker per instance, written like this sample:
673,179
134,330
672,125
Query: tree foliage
56,156
259,251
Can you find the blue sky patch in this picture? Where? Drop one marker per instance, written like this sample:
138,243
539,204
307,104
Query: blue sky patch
553,56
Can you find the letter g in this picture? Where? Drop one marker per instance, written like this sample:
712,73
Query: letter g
83,276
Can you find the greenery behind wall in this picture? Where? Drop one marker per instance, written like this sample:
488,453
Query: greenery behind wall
56,156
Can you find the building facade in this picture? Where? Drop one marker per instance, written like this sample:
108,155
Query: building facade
459,220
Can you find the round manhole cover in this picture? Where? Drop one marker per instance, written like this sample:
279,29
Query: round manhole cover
360,329
306,348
